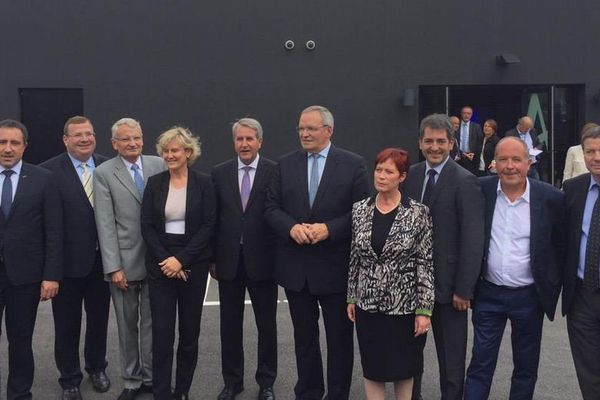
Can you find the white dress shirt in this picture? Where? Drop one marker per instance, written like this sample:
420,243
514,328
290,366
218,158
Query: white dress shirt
253,165
509,257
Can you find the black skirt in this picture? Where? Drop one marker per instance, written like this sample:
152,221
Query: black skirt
389,352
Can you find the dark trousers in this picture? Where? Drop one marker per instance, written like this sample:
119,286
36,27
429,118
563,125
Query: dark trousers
583,324
304,310
494,305
450,328
264,303
92,292
170,298
21,303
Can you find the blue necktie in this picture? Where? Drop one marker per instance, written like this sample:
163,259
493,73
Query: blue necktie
313,185
464,138
429,187
7,192
137,178
245,189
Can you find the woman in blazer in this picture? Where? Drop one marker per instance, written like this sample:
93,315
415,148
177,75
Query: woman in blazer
390,282
178,219
574,163
488,149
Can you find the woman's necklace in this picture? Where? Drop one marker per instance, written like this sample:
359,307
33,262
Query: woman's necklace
387,209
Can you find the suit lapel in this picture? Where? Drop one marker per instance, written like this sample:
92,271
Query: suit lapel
535,213
579,207
22,189
490,193
235,187
444,178
72,175
125,178
259,177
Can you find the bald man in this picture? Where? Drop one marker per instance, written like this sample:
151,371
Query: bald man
525,131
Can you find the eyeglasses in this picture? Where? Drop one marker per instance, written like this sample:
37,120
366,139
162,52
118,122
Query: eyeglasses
310,129
136,139
81,135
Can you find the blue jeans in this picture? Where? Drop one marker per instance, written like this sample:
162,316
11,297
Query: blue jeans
493,306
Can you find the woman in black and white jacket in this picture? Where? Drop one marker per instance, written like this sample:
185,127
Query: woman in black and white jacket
390,283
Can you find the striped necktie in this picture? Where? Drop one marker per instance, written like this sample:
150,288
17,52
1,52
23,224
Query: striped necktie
88,183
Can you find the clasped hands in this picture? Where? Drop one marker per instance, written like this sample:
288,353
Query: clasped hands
172,268
309,233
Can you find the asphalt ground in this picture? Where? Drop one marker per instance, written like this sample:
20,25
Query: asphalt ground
556,380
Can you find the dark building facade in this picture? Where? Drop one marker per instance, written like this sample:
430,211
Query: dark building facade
379,65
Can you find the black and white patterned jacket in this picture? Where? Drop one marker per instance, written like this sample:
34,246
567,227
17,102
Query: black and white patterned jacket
400,281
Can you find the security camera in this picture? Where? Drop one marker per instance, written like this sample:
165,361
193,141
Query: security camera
310,45
289,45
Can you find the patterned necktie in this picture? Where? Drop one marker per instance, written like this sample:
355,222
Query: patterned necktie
313,185
429,187
7,192
245,189
88,183
137,178
592,250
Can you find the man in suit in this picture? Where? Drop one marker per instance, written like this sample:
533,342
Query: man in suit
83,280
30,251
456,206
470,140
581,293
118,190
244,260
455,153
309,207
521,272
525,131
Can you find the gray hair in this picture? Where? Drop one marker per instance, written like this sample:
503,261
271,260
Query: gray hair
248,123
591,133
185,138
130,122
326,115
436,122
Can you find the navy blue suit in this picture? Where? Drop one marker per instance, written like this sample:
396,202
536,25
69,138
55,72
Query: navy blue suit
83,282
523,306
31,246
317,274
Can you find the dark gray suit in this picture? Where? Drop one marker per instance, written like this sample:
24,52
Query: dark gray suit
118,210
456,208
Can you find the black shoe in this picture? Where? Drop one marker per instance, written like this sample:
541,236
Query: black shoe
146,388
266,394
71,394
229,392
100,381
128,394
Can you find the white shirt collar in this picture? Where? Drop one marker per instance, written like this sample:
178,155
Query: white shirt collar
524,196
138,162
16,168
253,164
438,168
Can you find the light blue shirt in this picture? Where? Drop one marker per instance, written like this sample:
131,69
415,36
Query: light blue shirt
14,178
509,253
139,164
77,165
320,162
464,136
585,224
437,169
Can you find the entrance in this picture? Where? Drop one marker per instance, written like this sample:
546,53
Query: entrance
554,109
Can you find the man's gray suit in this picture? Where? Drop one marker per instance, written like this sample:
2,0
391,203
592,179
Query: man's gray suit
118,210
456,207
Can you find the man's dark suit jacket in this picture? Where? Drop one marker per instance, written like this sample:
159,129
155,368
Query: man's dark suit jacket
475,144
200,218
80,237
32,235
576,191
456,207
323,266
534,138
547,240
233,223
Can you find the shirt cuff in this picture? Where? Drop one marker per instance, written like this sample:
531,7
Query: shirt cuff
422,311
351,301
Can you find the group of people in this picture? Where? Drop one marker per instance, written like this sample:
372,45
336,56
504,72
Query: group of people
475,145
432,242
